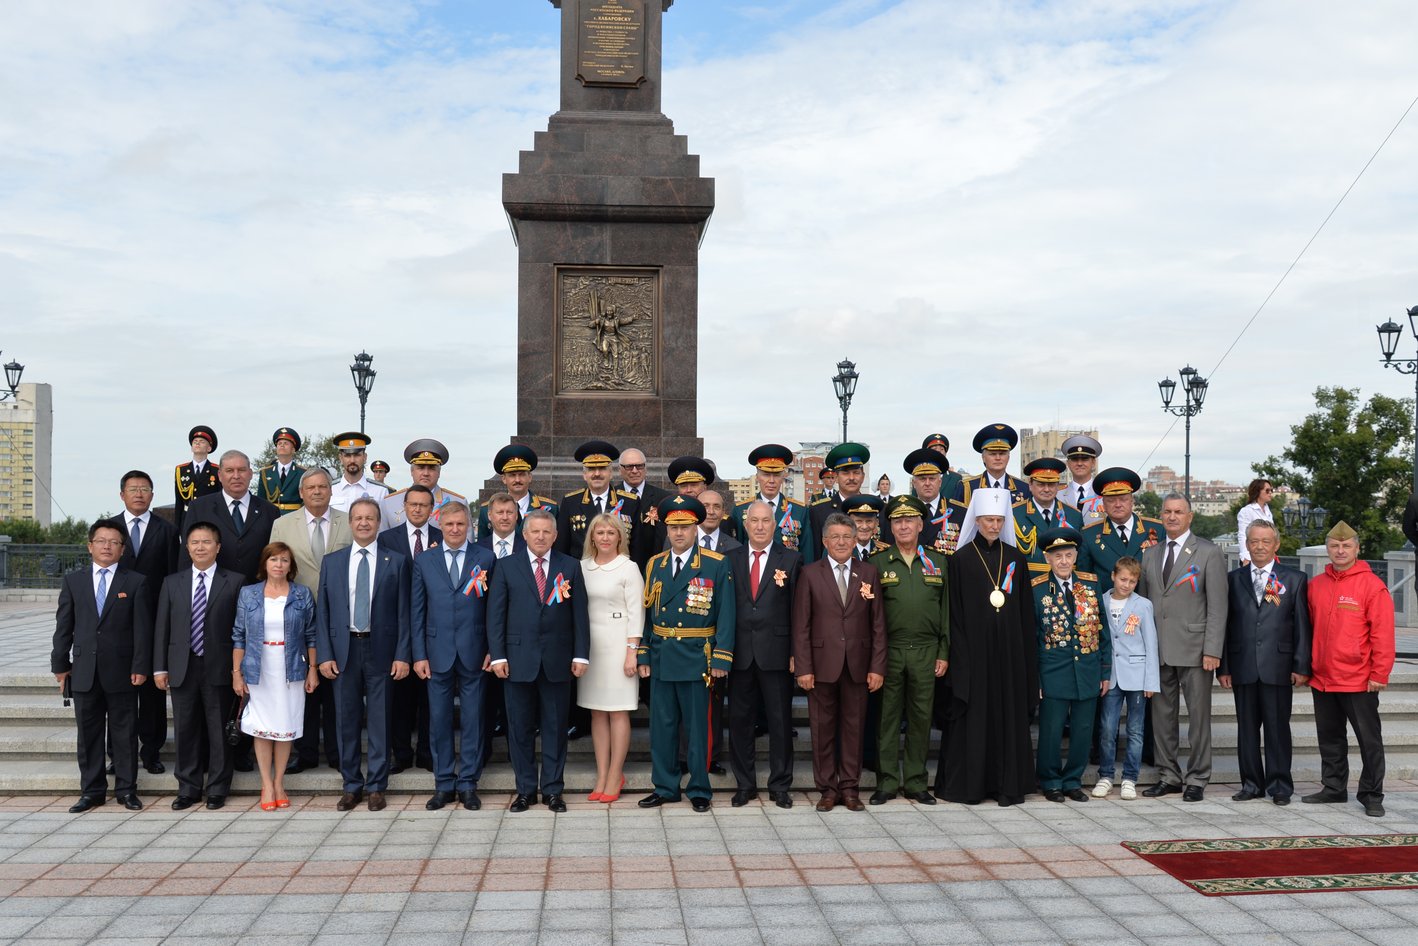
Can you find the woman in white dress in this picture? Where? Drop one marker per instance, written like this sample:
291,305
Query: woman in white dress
610,689
274,665
1258,496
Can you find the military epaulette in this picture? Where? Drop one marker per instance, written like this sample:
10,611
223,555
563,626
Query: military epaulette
880,546
1021,502
484,504
659,558
958,504
787,499
1150,520
1095,524
1087,576
396,492
712,555
386,489
542,499
623,494
1038,566
574,492
1038,581
819,502
268,466
454,494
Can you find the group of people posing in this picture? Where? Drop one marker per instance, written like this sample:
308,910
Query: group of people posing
972,604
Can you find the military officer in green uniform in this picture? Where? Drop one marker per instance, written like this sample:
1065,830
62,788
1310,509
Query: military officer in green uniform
514,463
848,462
917,609
790,518
993,443
827,478
688,643
280,481
1042,511
929,472
1121,531
426,458
1075,663
198,476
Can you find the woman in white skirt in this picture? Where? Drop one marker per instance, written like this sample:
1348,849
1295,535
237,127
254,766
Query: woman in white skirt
274,665
610,689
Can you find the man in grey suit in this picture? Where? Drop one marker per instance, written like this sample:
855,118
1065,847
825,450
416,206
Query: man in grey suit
1267,655
1185,579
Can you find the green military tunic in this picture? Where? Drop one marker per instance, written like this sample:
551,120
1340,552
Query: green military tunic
1103,546
283,492
689,631
791,525
1075,657
917,609
1029,524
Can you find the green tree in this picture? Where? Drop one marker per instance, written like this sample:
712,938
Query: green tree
1149,504
1355,460
70,531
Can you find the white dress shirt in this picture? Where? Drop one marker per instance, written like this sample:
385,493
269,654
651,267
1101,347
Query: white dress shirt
410,529
546,569
142,521
244,500
354,574
112,570
497,544
714,538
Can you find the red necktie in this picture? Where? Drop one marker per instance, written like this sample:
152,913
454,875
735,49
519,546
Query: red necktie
541,580
755,574
418,541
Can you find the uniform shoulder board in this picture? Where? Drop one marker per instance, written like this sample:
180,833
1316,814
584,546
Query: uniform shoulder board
712,555
880,546
1038,566
659,558
1095,524
574,492
268,466
179,467
396,492
624,494
787,499
1041,579
819,502
1087,576
1150,521
484,504
957,503
454,494
1021,502
542,499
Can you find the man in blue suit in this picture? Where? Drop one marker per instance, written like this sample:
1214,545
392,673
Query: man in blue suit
539,637
449,601
361,643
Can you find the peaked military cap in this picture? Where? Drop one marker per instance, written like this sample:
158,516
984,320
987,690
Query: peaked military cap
379,466
205,432
863,504
515,458
595,453
924,462
352,440
681,511
1116,481
691,470
771,457
936,440
426,452
285,433
1045,470
905,505
1060,537
1082,445
847,455
996,437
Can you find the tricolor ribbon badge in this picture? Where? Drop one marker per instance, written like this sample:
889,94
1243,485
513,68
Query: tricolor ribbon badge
1189,577
1273,586
928,567
615,510
477,584
944,518
560,590
1008,579
788,523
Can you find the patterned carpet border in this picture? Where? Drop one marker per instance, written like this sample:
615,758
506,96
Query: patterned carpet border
1218,867
1319,842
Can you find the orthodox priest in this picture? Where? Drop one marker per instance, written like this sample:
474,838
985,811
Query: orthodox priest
993,680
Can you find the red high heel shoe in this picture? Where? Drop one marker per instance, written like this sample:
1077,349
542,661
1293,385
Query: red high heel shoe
607,798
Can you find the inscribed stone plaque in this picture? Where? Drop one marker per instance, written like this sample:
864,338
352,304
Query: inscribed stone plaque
607,330
610,46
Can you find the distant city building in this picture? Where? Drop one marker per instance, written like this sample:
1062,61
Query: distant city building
741,490
805,475
1046,442
26,454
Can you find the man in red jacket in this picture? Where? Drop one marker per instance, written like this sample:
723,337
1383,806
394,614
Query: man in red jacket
1352,614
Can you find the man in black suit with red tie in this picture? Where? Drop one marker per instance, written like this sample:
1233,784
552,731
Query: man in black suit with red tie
765,580
102,653
243,518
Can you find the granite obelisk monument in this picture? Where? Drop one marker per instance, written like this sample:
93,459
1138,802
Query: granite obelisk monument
608,210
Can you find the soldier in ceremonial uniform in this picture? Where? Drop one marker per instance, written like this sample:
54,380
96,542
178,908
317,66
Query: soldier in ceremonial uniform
994,444
378,470
1042,511
690,601
353,483
1120,532
280,481
847,461
1075,663
196,477
941,525
950,480
828,479
917,643
514,463
790,517
425,458
866,512
1082,453
580,506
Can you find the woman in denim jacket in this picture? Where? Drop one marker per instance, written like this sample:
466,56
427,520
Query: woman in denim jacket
274,665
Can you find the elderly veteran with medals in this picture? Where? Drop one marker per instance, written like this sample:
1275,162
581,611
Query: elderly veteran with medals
1075,663
690,602
940,523
1042,511
425,458
514,465
280,481
917,610
993,679
790,517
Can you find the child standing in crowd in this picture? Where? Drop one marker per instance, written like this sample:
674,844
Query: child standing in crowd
1135,677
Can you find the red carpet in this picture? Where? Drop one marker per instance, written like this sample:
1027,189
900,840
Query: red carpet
1230,866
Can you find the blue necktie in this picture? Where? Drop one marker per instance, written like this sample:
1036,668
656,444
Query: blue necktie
102,590
453,569
361,608
135,535
237,519
199,613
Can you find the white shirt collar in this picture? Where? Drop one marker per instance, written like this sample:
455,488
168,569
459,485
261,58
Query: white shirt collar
448,549
411,528
532,557
209,571
310,516
95,567
244,499
1181,540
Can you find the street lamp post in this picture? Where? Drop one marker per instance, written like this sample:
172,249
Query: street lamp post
363,376
1388,344
1193,393
1304,519
845,384
13,371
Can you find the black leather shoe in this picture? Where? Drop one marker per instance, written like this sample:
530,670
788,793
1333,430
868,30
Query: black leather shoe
556,803
923,798
1193,793
699,804
781,799
1053,794
439,800
84,803
1246,794
396,767
470,800
130,802
522,803
215,802
1281,799
1160,789
716,769
742,797
294,767
881,798
155,767
424,762
1374,809
244,765
1325,798
576,732
183,802
653,800
1076,794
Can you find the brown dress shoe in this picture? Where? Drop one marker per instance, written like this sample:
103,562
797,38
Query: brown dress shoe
348,800
853,803
827,802
377,802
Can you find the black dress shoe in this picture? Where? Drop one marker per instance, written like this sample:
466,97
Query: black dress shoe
1076,794
760,731
653,800
923,798
1053,794
1325,798
716,769
1246,794
84,803
438,800
396,767
130,802
699,804
247,764
576,732
470,800
781,799
348,801
1373,808
556,803
425,763
155,767
1281,799
1193,793
215,802
742,797
522,803
295,766
1160,789
183,802
881,798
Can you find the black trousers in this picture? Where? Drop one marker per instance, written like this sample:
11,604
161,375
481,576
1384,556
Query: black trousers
755,692
408,715
200,711
1263,712
319,719
1361,711
101,714
152,723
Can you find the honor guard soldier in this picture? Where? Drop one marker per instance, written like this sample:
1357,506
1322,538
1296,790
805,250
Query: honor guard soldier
425,458
580,506
790,517
866,511
847,461
1120,532
828,479
353,483
993,444
514,463
378,470
280,481
941,522
1082,453
689,597
1042,511
198,476
949,479
1075,663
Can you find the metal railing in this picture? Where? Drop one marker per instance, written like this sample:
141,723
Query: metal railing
38,566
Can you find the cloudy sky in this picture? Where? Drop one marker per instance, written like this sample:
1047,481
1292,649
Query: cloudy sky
1017,211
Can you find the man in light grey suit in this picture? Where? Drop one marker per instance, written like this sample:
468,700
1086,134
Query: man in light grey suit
1185,579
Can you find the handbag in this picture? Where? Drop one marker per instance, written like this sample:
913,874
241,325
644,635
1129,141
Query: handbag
233,725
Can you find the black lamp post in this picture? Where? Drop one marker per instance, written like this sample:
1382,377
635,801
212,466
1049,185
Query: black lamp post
13,371
845,384
1304,519
363,376
1388,344
1193,392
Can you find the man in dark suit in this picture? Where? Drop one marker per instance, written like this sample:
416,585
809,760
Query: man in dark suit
839,654
632,468
1267,655
244,519
539,638
103,651
192,658
449,635
765,580
151,551
361,643
502,538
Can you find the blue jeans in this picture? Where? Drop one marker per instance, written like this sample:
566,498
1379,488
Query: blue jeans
1113,702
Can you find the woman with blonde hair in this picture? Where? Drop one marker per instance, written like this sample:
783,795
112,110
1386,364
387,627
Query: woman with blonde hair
610,688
